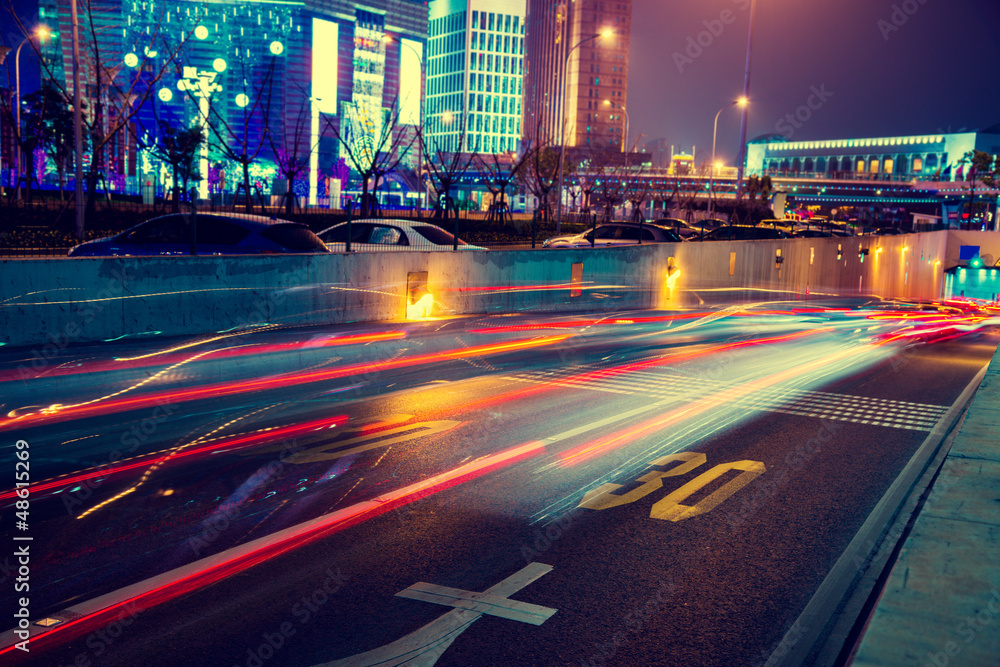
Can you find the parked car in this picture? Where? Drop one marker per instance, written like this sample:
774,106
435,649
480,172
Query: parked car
812,234
215,234
381,235
743,233
683,228
615,234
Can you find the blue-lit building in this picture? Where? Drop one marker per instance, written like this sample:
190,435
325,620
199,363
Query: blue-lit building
274,78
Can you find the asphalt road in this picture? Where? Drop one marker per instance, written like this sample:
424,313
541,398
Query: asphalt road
688,479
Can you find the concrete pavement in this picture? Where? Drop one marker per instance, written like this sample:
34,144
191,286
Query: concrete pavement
941,604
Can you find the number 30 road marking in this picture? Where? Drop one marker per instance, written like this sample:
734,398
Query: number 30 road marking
671,507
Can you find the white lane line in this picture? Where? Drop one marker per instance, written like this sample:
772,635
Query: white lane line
849,584
425,646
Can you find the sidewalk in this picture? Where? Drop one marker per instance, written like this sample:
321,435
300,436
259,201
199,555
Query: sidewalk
941,604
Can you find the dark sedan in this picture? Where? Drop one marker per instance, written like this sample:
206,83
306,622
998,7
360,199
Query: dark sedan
215,234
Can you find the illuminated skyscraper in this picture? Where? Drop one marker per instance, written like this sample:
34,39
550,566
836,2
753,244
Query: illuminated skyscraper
570,94
284,70
475,70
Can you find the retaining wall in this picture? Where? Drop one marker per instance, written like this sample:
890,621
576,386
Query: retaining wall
60,301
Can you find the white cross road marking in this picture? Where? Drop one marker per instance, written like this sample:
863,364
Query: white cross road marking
481,602
423,647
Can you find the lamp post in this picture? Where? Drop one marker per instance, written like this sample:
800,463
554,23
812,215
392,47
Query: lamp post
625,148
420,103
201,85
562,139
4,50
746,96
715,129
41,32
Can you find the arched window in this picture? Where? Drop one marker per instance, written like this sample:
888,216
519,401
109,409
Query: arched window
845,164
821,164
861,165
807,166
796,165
931,164
901,164
873,165
887,165
918,165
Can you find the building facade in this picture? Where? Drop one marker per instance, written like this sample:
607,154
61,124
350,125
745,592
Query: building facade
273,78
934,157
475,74
576,83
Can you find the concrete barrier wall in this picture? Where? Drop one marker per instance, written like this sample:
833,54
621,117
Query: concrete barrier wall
61,301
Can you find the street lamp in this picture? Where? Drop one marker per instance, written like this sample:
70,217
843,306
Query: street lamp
715,129
201,84
625,148
420,103
746,96
41,33
607,32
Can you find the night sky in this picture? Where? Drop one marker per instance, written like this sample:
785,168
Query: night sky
938,72
881,68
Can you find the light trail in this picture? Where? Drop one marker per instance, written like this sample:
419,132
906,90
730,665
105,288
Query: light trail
83,617
228,443
58,413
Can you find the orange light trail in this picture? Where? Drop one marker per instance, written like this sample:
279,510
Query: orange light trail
246,386
601,446
609,372
168,357
175,583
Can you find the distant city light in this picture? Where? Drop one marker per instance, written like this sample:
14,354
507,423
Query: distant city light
277,48
165,94
131,60
242,100
201,32
219,65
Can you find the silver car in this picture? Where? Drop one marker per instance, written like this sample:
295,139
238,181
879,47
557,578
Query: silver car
371,234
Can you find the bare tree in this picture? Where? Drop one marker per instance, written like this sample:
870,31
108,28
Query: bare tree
499,171
541,175
446,166
242,139
109,99
288,136
638,189
374,147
